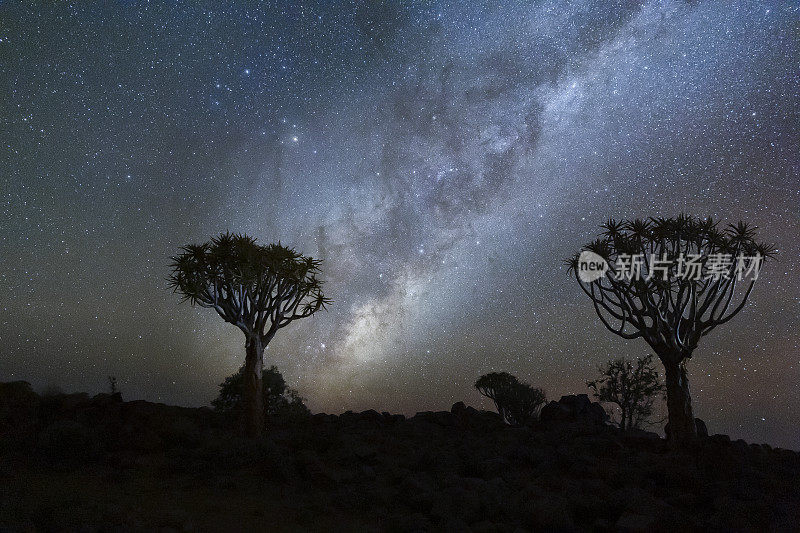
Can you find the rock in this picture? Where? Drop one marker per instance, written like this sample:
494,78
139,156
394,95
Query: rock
322,418
441,418
321,474
740,445
485,526
576,407
578,404
490,418
68,442
641,439
370,417
492,467
462,415
597,414
458,408
636,523
105,398
454,525
722,440
641,434
554,411
444,418
18,406
549,513
601,525
702,430
415,523
364,452
457,470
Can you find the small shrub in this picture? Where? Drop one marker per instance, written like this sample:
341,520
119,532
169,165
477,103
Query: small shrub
279,401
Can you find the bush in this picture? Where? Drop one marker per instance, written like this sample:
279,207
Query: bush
279,400
632,386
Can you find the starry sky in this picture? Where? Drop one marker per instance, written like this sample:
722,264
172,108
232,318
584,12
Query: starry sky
442,158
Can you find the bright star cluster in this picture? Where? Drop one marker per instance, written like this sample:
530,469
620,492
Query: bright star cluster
441,157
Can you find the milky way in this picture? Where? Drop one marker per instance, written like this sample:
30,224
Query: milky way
441,158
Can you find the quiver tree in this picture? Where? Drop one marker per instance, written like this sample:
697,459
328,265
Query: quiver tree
259,289
671,281
632,386
516,402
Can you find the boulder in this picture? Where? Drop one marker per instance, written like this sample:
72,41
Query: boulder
596,413
458,408
578,404
68,442
323,418
636,523
640,438
392,419
414,523
18,404
554,411
702,430
576,407
370,417
464,415
721,440
549,513
441,418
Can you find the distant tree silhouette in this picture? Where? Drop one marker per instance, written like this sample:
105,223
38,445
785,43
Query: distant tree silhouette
112,385
667,305
518,403
278,399
259,289
495,386
524,403
632,386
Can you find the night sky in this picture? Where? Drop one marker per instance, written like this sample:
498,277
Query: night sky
442,158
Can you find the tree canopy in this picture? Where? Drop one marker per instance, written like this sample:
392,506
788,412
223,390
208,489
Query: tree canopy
258,288
672,280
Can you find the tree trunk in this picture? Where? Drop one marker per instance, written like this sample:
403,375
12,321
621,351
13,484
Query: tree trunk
682,428
253,393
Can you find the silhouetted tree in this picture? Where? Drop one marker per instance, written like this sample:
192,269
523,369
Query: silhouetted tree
684,288
495,386
278,399
632,386
112,385
259,289
518,403
524,403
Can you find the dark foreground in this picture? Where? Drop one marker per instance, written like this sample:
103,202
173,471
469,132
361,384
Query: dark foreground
76,463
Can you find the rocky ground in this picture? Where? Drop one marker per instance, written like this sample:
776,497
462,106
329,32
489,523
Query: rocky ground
71,462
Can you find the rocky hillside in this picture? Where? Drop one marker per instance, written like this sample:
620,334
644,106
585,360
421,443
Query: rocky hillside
72,462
